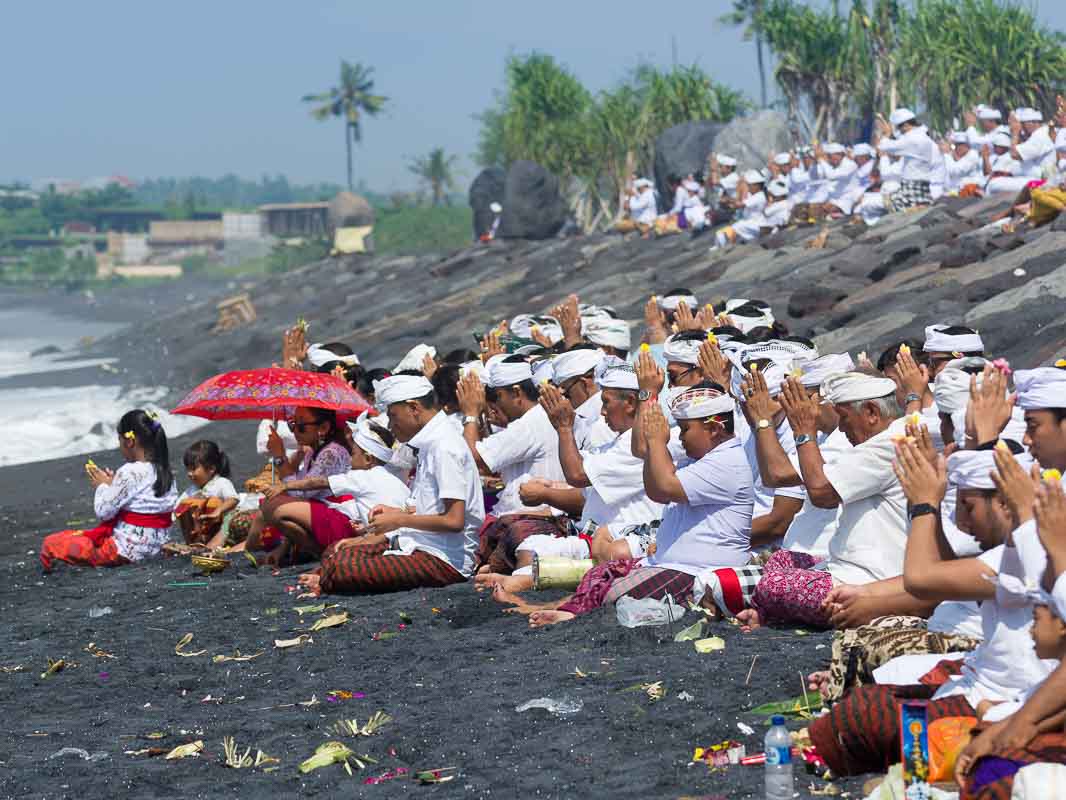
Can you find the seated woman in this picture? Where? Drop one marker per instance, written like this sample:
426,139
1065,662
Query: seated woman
310,526
709,498
323,451
135,503
205,506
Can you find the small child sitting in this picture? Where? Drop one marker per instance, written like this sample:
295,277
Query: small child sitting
204,507
134,503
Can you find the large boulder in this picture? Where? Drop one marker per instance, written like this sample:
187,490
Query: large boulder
348,210
751,140
533,207
487,188
683,149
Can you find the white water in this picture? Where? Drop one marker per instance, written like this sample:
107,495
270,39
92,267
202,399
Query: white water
41,423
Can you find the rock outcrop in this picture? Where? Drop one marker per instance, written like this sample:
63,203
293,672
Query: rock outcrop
533,206
683,149
348,210
487,188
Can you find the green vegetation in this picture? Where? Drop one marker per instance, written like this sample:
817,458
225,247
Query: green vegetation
228,192
437,171
423,229
353,98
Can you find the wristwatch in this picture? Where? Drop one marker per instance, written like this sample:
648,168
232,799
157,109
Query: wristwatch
912,398
644,395
762,424
277,461
469,420
921,510
803,438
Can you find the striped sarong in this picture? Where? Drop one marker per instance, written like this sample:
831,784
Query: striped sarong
500,538
860,733
363,569
606,583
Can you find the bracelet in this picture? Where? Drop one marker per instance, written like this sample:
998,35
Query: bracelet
912,398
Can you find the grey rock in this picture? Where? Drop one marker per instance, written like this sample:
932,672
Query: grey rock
533,207
681,150
814,300
348,210
47,350
487,188
750,138
1052,285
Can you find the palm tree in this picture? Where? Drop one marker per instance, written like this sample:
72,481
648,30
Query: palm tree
435,169
351,100
746,13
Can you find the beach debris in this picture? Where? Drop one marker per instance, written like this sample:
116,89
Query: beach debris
151,752
236,657
438,775
580,673
793,707
329,753
391,775
685,697
655,691
54,666
12,668
384,634
553,705
318,609
406,618
187,584
330,621
303,638
719,755
691,633
186,750
84,755
209,564
351,727
96,612
337,695
250,558
747,680
829,789
179,647
746,729
709,645
233,312
435,610
237,760
302,595
155,735
97,652
270,612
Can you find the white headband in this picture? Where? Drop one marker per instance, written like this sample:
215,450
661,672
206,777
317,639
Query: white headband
683,351
951,388
853,387
989,113
746,323
609,333
726,161
754,176
938,342
701,403
523,326
543,370
972,469
400,388
476,366
369,442
507,373
573,363
817,370
783,159
414,357
833,148
319,356
672,301
614,373
1044,387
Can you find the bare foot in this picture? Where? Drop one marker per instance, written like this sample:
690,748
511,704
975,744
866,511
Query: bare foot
488,581
311,581
483,568
749,620
485,581
819,682
541,619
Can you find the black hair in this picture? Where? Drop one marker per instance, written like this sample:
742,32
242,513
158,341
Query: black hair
150,435
428,400
1013,446
382,433
445,380
338,348
459,356
353,374
673,178
762,334
734,334
690,336
678,290
366,381
336,434
582,346
207,454
889,357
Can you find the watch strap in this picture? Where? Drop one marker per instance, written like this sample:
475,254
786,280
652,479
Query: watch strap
921,510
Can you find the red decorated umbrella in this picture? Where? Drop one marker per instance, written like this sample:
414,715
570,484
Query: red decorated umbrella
270,394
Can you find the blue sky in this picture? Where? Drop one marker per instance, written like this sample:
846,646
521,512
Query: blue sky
205,88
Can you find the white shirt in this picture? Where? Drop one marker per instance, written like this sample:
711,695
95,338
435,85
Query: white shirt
872,527
812,528
714,527
371,487
1035,152
680,196
590,429
916,149
961,171
617,492
133,489
776,214
753,205
446,471
527,448
764,497
841,180
642,207
729,184
799,183
219,487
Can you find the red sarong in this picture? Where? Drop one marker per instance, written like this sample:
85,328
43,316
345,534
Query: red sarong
95,547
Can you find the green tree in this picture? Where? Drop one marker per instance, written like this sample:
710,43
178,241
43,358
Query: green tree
746,14
437,171
350,100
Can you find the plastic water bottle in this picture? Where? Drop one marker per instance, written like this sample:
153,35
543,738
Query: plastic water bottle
778,761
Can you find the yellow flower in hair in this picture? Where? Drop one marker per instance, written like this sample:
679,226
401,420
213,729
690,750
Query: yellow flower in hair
712,338
130,435
1061,363
1051,475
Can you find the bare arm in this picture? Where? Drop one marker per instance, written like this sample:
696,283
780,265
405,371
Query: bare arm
660,475
769,528
570,458
774,466
304,484
802,414
453,520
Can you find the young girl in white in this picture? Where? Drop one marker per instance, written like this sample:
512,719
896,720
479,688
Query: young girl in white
135,503
211,497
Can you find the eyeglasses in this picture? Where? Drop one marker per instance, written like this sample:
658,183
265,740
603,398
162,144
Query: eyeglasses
300,427
568,387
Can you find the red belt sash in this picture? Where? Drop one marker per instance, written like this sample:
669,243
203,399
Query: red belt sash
105,529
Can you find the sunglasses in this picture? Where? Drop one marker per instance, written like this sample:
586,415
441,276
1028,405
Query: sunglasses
300,427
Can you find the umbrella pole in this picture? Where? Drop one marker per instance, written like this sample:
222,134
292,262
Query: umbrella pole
274,424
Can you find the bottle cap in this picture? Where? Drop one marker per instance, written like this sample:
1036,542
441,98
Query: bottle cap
777,719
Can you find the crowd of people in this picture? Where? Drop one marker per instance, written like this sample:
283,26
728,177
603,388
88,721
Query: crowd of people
1020,155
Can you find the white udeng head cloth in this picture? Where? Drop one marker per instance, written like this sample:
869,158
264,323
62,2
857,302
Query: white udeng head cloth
951,388
414,357
609,333
699,403
543,370
523,326
319,356
502,372
1044,387
672,301
614,373
936,341
400,388
853,387
573,363
367,440
817,370
972,469
682,351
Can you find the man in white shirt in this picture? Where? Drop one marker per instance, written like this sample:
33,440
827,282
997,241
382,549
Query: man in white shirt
1031,142
962,164
575,376
872,526
840,174
431,540
917,150
640,207
985,118
1003,170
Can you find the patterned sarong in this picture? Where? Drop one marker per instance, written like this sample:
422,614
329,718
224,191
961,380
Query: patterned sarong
910,195
606,583
500,538
790,591
74,547
364,569
995,777
860,733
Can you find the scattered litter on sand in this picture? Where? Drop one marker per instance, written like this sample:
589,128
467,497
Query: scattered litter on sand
186,750
561,706
185,640
80,753
709,645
